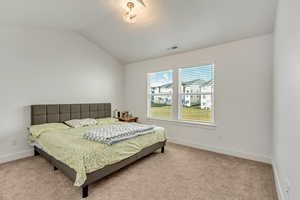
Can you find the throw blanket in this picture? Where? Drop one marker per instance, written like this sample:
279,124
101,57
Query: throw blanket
116,133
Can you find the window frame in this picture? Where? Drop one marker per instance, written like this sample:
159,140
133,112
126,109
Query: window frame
176,96
180,94
149,95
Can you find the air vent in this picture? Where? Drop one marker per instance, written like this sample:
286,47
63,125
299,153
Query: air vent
172,48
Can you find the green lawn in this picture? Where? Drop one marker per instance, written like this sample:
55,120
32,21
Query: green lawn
188,113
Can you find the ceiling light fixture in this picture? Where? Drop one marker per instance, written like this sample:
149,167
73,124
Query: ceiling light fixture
132,6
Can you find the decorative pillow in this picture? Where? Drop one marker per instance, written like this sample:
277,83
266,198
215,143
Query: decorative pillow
90,122
37,130
77,123
107,120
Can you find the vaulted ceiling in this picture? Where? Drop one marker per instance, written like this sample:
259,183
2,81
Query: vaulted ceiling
189,24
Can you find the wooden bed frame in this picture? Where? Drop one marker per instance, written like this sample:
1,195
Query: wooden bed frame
58,113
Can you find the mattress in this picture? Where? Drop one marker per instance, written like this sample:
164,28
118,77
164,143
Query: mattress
85,156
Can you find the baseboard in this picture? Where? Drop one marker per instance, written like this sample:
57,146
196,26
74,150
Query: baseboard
16,156
279,187
258,158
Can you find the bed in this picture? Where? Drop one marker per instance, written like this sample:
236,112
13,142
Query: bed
84,161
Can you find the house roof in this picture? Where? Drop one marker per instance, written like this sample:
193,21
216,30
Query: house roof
194,82
167,85
199,82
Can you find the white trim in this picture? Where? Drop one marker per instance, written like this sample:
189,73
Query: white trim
213,114
279,187
148,93
182,122
179,97
16,156
175,97
248,156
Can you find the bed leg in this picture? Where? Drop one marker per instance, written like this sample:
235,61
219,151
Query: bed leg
85,191
163,149
36,153
54,168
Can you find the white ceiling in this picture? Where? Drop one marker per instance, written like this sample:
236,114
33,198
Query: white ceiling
190,24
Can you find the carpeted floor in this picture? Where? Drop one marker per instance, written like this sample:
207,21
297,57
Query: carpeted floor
181,173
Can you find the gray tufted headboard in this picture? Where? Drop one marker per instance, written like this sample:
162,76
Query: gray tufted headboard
53,113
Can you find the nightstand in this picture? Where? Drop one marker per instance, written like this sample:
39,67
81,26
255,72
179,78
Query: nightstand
128,119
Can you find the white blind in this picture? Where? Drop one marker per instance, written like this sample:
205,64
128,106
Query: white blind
196,93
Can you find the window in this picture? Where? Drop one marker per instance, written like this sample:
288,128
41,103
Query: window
160,95
196,94
194,100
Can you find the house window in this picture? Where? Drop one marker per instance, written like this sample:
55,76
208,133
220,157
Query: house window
160,92
190,97
199,107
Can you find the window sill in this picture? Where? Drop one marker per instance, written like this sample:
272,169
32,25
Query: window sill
193,123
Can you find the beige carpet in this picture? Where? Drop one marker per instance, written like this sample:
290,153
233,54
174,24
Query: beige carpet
181,173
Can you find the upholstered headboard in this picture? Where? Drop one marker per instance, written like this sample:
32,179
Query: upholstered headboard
53,113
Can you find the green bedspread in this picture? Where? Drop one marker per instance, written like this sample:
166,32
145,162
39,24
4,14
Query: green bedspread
84,156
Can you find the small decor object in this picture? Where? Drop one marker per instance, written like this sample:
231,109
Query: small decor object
128,119
125,114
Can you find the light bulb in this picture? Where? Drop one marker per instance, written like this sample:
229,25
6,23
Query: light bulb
132,8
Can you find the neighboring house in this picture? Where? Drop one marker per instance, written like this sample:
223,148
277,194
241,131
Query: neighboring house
206,95
164,95
195,93
189,89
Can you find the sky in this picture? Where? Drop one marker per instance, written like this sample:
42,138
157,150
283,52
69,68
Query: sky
187,74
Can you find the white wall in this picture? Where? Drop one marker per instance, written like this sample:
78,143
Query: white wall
243,97
46,66
287,98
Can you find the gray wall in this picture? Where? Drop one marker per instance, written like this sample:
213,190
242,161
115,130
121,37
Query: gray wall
47,66
287,99
243,96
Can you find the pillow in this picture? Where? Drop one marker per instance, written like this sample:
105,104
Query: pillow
107,120
77,123
37,130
